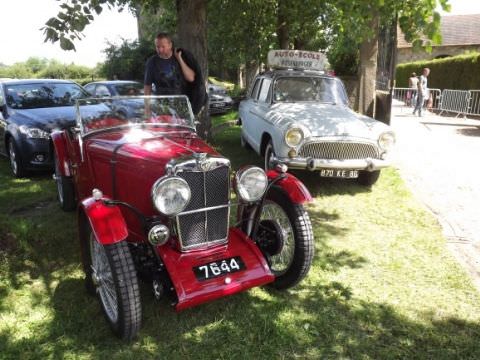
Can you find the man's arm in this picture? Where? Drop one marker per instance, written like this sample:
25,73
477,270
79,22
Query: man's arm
188,73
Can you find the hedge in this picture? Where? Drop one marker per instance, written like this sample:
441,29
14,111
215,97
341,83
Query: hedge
460,72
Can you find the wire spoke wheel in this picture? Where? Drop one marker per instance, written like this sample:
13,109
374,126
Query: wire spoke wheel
110,273
280,263
103,279
286,239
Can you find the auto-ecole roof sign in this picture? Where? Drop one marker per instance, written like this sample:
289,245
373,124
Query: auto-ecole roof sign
297,59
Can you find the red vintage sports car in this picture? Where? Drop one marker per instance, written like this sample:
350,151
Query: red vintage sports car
154,203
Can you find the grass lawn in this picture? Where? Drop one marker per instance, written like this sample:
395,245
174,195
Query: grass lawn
383,285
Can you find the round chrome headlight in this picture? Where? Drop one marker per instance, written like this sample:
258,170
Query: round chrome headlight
294,136
386,141
170,195
251,183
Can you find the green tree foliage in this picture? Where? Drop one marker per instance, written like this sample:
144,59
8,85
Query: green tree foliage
16,71
235,37
47,69
242,31
127,60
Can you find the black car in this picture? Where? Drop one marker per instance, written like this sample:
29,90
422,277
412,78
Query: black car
219,101
113,88
29,111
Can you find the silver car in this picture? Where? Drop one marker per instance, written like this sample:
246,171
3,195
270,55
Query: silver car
301,118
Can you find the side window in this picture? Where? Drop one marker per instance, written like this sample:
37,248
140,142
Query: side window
102,90
90,89
264,90
255,88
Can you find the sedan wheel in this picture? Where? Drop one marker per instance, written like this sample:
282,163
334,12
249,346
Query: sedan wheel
65,189
15,161
268,155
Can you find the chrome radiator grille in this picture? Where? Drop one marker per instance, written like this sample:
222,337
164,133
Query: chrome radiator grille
338,150
204,228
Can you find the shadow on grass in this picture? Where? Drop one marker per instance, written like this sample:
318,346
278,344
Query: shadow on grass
314,321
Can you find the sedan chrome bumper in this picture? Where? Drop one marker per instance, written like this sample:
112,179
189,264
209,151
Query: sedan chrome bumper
352,164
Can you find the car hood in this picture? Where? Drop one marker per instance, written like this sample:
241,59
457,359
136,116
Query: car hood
142,145
45,118
325,120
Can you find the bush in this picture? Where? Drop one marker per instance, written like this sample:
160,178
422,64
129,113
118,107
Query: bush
460,72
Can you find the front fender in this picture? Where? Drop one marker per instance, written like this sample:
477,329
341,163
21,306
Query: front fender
292,187
60,149
107,221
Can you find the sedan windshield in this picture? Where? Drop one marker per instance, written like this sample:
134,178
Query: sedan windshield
43,95
99,114
314,89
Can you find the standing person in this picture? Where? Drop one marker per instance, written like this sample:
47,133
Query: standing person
412,94
422,93
174,71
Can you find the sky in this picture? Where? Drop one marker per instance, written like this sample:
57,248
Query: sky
21,37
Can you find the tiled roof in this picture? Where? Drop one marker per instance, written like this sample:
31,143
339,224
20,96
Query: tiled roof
455,29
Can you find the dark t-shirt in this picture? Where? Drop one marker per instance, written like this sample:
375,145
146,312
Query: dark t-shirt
165,74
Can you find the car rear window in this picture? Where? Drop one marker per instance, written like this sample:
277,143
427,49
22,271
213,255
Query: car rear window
43,95
129,89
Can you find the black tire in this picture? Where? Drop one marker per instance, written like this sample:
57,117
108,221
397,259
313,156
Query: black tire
267,154
16,164
111,272
368,178
290,254
65,190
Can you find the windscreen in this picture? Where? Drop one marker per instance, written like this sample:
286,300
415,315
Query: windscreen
43,95
95,114
313,89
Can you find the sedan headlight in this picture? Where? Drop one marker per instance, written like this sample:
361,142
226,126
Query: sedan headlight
170,195
34,133
251,183
386,141
294,136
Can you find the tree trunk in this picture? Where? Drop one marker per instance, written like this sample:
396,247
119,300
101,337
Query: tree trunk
367,71
192,35
282,25
251,69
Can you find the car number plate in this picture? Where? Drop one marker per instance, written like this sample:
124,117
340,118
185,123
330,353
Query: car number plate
346,174
218,268
218,105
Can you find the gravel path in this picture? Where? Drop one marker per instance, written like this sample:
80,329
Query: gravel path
439,159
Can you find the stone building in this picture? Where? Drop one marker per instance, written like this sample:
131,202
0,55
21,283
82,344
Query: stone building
460,34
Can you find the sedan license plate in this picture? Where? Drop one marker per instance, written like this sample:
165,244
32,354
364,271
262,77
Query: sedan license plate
218,268
346,174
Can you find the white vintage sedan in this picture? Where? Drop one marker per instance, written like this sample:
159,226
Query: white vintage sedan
301,118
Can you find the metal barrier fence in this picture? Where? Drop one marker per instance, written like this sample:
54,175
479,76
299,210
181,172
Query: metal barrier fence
408,97
474,106
461,102
455,101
